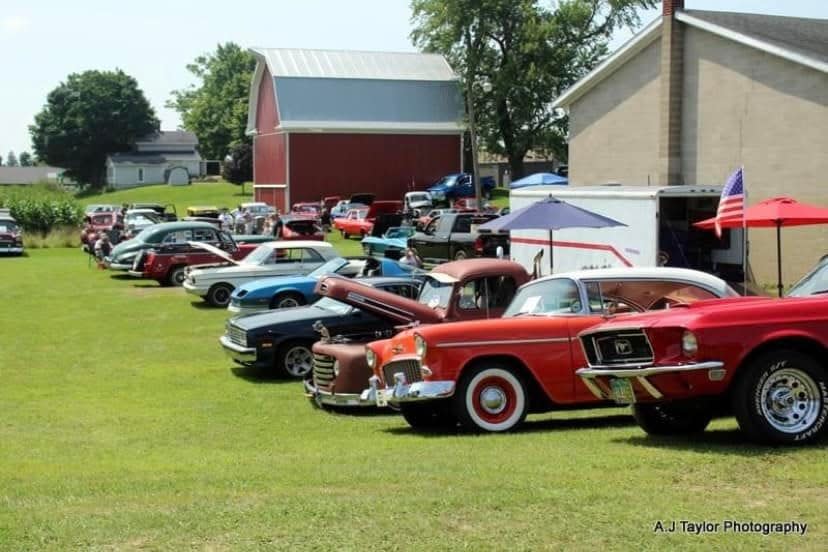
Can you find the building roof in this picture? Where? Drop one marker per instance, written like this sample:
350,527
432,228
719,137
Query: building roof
345,64
170,138
341,91
28,175
796,39
138,157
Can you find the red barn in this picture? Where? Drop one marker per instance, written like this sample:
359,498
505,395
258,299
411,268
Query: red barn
337,122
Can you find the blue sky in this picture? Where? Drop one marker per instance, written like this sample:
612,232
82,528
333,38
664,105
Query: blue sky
43,41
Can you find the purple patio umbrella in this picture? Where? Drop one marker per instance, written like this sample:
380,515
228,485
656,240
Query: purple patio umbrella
549,214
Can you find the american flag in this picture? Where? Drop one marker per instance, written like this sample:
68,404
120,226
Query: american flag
732,202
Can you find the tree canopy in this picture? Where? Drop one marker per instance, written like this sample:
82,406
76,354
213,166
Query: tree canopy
90,116
237,167
11,159
216,109
529,52
26,159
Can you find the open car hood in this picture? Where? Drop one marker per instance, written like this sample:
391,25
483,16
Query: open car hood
380,303
215,251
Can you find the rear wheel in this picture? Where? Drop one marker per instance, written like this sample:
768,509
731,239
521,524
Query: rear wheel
286,301
177,276
672,418
219,295
491,398
295,359
429,415
781,397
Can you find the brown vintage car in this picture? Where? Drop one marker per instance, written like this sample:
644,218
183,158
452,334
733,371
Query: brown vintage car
461,290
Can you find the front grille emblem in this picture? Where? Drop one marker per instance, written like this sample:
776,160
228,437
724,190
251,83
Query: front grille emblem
623,347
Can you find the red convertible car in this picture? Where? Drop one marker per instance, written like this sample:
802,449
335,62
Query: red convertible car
489,374
359,222
763,359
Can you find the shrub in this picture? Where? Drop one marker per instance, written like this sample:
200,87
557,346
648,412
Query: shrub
41,208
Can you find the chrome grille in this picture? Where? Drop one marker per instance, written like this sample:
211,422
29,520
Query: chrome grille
618,348
237,335
138,263
410,367
323,370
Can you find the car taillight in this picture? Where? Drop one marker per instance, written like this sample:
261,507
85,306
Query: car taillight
478,245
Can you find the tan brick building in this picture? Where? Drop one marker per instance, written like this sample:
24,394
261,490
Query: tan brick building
695,95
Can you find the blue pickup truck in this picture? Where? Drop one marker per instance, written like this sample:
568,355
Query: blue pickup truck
458,185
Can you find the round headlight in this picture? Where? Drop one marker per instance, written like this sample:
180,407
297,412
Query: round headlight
370,357
420,347
689,343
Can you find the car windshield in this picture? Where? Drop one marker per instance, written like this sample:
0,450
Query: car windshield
331,267
8,226
397,233
258,255
448,181
815,282
555,296
418,197
436,294
333,305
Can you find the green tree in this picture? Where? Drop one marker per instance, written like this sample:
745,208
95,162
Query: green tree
26,159
216,109
529,52
238,165
11,159
90,116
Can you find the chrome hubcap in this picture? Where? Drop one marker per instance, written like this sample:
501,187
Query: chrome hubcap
298,361
790,400
288,302
493,400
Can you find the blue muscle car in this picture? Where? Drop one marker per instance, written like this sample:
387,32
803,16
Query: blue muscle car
394,238
293,291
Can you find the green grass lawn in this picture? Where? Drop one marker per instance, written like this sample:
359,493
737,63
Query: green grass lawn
123,426
219,194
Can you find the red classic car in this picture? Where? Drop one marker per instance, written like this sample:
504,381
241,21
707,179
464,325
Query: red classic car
489,374
97,223
341,372
359,222
763,359
298,227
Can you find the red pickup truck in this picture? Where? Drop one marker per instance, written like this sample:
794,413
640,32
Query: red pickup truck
167,265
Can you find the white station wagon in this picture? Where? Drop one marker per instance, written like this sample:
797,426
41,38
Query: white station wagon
215,284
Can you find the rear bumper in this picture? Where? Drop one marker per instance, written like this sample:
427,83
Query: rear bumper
405,392
598,378
242,355
335,399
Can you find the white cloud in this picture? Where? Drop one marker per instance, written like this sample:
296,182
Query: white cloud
14,24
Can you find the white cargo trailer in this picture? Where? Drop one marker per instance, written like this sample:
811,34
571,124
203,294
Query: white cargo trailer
658,230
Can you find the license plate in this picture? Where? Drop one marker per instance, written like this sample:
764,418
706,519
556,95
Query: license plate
622,391
382,397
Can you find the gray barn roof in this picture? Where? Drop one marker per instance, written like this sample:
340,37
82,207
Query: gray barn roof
344,64
170,138
344,91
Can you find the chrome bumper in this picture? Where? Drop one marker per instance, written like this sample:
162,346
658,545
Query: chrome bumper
244,355
135,273
641,373
117,266
407,392
335,399
191,289
11,250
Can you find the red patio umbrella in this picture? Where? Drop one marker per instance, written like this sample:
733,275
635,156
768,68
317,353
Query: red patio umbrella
775,212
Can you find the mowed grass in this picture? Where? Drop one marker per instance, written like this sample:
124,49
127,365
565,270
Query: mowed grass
217,194
123,426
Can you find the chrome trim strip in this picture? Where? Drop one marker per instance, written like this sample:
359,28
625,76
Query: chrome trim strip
619,372
504,342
